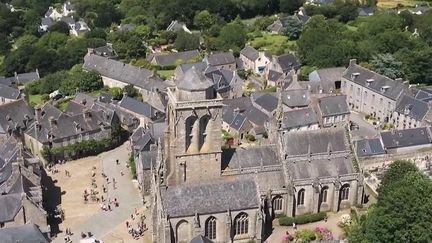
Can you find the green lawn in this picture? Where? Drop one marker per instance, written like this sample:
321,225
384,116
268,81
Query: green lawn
275,44
35,100
165,73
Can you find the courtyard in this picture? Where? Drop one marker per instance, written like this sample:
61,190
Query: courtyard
91,174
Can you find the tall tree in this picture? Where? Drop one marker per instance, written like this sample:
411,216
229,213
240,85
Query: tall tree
186,41
386,64
290,6
293,27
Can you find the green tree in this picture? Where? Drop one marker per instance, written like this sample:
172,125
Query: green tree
52,40
293,27
290,6
186,41
60,27
417,64
25,39
4,44
233,36
387,65
131,91
204,20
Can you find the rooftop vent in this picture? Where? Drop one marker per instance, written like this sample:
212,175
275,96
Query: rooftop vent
384,88
354,75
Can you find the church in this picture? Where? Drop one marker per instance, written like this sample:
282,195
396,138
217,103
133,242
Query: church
203,193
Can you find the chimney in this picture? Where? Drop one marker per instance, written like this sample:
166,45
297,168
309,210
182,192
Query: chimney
52,121
354,75
352,62
87,113
399,80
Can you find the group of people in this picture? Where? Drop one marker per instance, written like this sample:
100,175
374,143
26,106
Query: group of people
106,206
138,231
67,238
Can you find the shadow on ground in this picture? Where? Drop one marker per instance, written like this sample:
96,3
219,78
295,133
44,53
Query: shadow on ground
52,199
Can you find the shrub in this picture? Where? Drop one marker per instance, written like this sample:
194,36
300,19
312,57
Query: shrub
132,166
302,219
305,235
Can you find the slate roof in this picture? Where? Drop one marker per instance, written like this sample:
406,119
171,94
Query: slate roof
126,27
126,73
201,66
333,105
138,107
424,94
200,239
147,158
47,22
381,84
220,58
275,26
14,115
250,53
369,147
299,118
9,92
176,26
68,20
365,11
405,138
105,51
315,141
288,61
412,107
320,168
27,233
256,116
274,75
221,78
166,59
208,198
69,6
194,80
296,97
266,101
330,75
10,205
240,103
250,157
20,78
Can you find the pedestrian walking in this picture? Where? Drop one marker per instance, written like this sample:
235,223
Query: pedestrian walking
294,226
121,172
117,161
109,207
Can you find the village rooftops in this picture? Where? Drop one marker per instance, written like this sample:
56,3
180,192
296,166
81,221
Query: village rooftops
333,105
123,72
299,118
9,92
220,58
412,107
376,82
369,147
22,233
406,138
250,53
168,59
15,116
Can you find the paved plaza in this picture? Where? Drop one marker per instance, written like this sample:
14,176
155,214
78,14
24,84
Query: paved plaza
109,226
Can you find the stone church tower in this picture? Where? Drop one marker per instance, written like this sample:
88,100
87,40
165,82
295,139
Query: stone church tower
193,139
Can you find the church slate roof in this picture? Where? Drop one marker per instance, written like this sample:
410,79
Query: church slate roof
207,198
381,84
10,205
416,109
406,137
200,239
201,66
28,233
299,118
250,157
138,107
194,80
320,168
296,97
123,72
315,141
333,105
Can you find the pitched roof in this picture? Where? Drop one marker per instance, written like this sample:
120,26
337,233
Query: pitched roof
412,107
9,92
299,118
276,26
220,58
105,51
296,97
369,147
28,233
176,26
166,59
250,53
315,141
266,101
138,107
201,66
221,78
406,137
329,75
212,197
47,22
15,115
288,61
250,157
123,72
378,83
333,105
274,75
320,168
200,239
10,205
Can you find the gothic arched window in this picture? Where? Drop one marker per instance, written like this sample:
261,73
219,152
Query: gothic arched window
277,203
203,129
344,192
190,121
324,192
210,228
300,197
241,224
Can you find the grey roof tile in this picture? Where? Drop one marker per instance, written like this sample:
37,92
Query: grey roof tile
138,107
412,107
166,59
10,205
250,53
288,61
369,147
320,168
15,115
333,105
266,101
405,138
250,157
9,92
274,75
208,198
28,233
296,97
193,80
299,118
221,58
200,239
381,84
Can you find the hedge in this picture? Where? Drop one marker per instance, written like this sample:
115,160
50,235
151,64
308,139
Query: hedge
302,219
